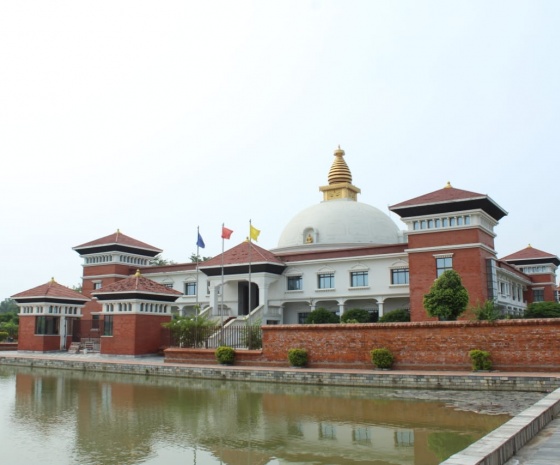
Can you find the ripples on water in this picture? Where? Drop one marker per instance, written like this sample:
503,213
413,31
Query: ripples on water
64,417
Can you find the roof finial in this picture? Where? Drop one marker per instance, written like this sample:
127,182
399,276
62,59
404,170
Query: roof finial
53,280
529,246
448,185
339,171
137,274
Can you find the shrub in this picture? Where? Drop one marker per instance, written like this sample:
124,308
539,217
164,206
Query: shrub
447,298
488,311
321,316
190,331
396,316
382,358
3,336
355,315
225,355
480,360
252,336
297,357
543,310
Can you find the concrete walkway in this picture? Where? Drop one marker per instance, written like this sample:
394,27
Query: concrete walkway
543,449
530,438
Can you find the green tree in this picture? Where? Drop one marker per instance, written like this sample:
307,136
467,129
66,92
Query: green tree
8,306
321,316
447,298
543,310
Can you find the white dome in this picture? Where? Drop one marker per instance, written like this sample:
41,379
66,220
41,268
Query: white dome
339,222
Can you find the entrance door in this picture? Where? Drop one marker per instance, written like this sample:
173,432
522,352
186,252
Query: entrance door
243,297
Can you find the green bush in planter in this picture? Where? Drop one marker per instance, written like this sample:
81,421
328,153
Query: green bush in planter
480,360
3,336
382,358
225,355
297,357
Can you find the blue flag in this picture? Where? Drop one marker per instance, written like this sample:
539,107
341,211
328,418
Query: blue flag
200,242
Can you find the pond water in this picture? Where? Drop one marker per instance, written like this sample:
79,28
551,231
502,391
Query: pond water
65,417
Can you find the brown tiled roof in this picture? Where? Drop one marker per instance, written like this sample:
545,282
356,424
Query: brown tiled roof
241,254
448,200
136,284
51,290
118,238
529,253
447,194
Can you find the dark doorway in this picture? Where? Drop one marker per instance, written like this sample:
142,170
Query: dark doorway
243,297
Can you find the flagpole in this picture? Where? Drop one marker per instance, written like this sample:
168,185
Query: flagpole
249,312
197,249
222,290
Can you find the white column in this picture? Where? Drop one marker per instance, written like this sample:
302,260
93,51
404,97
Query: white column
62,330
340,308
380,307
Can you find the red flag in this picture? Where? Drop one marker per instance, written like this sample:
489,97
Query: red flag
226,233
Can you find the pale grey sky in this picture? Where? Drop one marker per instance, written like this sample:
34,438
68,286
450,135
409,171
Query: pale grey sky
157,117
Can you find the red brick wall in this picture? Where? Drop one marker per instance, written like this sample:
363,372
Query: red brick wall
134,334
516,345
470,263
93,273
28,340
546,281
450,237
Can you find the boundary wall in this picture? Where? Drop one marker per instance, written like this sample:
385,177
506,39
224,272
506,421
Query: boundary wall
514,345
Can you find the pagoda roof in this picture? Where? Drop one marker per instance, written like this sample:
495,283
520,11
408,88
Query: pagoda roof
117,242
137,285
530,255
446,200
50,292
238,259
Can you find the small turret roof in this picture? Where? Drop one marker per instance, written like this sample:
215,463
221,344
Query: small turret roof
136,284
117,242
530,255
52,291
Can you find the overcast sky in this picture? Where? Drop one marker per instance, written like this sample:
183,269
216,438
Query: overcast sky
155,117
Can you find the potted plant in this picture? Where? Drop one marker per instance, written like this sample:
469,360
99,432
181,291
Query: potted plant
480,360
225,355
297,357
382,358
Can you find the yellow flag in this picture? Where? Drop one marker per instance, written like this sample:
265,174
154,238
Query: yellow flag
254,233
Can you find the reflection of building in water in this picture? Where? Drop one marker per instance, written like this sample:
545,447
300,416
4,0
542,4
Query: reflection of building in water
126,420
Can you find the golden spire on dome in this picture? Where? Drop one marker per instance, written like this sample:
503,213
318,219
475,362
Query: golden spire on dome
339,171
340,180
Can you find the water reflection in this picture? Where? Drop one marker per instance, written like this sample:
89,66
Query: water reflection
96,418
